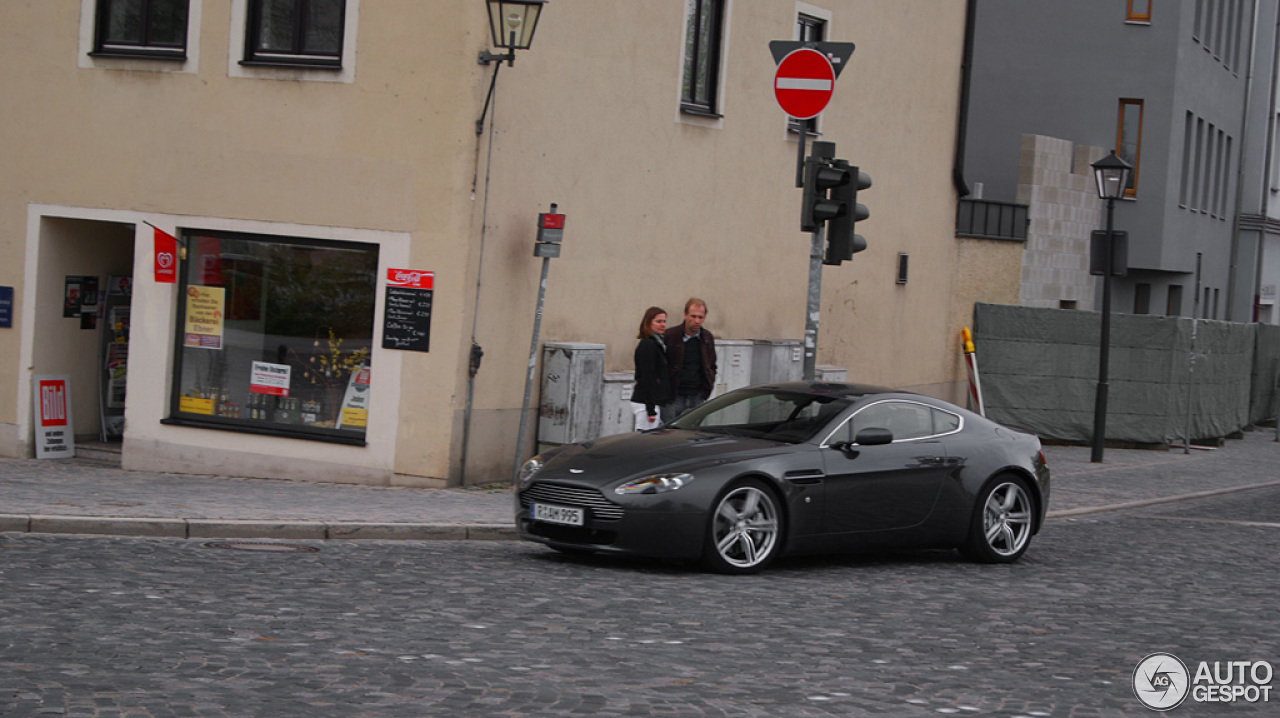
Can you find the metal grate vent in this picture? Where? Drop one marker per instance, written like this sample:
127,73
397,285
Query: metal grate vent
594,501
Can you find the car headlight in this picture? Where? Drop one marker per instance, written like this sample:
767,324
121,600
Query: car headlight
526,472
656,484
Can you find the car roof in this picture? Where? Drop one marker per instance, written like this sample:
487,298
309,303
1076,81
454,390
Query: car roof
822,388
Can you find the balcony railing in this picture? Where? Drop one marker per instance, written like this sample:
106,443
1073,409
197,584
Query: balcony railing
987,219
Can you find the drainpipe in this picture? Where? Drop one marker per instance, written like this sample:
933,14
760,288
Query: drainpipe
1244,126
962,122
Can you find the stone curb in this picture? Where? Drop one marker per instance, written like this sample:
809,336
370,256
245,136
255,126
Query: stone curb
242,529
1137,504
370,531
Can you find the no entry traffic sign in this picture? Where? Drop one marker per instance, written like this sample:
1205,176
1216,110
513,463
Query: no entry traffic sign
803,83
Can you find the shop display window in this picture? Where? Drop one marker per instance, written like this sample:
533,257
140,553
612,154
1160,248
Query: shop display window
274,335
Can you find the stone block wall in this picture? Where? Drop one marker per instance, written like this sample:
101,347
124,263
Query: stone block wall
1055,180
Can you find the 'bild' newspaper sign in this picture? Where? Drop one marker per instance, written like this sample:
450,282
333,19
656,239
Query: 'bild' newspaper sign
55,434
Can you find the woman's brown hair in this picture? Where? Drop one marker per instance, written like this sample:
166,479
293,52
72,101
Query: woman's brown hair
649,314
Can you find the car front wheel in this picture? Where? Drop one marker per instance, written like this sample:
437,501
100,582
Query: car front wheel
1002,523
744,530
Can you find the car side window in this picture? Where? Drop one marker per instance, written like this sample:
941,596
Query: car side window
944,422
904,419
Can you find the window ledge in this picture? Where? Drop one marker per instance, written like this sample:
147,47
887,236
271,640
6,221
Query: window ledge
294,64
232,425
700,111
141,54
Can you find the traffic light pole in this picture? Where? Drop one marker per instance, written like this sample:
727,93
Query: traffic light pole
814,304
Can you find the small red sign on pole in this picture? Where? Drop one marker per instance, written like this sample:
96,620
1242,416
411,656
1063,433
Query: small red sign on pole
803,83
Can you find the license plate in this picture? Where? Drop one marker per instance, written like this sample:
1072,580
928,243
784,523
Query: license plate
556,514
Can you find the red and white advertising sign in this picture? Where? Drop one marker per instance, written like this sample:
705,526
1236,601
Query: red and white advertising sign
415,278
267,378
166,260
803,83
55,435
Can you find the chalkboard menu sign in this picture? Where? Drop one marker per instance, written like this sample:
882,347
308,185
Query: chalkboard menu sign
406,322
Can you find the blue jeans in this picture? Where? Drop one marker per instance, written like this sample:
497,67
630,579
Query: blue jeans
683,403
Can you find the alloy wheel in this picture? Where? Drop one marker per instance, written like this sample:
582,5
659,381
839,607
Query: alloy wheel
745,527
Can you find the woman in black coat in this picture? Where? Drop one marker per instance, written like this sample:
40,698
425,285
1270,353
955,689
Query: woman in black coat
653,380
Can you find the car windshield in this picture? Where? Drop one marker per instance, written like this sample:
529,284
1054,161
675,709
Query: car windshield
774,415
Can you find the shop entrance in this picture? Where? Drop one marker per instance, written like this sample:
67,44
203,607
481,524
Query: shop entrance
81,327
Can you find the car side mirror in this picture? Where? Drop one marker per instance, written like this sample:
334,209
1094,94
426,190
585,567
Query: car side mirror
874,436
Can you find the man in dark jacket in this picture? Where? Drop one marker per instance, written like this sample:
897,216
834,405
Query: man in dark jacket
691,358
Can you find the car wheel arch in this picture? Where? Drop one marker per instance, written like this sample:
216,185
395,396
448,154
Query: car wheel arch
1028,482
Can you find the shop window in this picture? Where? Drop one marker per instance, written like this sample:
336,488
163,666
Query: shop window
141,28
274,335
295,32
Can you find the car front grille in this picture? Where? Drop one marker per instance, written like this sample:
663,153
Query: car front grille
596,504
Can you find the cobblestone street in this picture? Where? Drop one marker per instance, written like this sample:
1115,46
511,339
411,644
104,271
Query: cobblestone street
163,627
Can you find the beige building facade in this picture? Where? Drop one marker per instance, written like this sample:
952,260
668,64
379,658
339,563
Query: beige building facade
300,183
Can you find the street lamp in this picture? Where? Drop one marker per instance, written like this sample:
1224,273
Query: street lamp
1112,175
512,23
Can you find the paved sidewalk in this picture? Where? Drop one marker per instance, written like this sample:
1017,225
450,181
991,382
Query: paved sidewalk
88,497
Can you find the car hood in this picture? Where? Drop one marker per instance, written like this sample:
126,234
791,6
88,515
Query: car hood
626,456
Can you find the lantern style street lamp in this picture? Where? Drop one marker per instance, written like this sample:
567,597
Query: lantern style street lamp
512,24
1112,175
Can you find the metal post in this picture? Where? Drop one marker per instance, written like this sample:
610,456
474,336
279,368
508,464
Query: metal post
800,140
1104,346
1191,364
814,304
533,361
533,358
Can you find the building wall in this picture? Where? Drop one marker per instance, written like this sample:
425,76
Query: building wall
1061,69
1056,183
661,205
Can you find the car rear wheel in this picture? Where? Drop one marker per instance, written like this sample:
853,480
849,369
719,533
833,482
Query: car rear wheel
1002,523
744,530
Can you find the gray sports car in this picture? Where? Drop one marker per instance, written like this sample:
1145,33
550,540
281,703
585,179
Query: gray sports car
793,468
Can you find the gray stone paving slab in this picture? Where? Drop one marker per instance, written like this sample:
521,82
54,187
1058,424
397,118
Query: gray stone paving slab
62,496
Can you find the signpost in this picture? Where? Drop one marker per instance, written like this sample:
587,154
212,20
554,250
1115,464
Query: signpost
803,83
547,246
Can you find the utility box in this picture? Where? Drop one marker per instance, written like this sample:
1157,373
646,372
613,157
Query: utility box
733,365
831,374
776,360
572,386
617,415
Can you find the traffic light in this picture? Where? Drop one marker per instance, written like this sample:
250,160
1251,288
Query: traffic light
842,241
819,179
